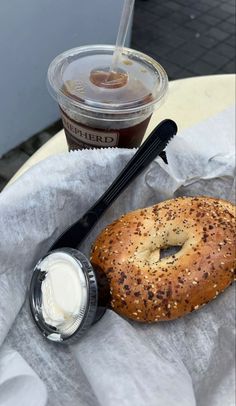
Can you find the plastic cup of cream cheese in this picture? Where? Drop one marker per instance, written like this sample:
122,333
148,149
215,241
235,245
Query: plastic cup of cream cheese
65,295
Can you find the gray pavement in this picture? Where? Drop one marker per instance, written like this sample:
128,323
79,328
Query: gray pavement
188,37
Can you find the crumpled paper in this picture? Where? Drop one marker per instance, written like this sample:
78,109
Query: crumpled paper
189,361
19,384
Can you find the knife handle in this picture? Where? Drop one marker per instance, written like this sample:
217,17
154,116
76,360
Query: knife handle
153,146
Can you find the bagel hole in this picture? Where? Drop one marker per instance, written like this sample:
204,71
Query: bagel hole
169,251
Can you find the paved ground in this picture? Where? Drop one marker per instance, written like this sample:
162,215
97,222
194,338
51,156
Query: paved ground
188,37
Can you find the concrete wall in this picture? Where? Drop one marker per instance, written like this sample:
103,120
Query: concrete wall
32,33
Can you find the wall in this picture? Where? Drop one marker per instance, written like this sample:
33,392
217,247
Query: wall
32,33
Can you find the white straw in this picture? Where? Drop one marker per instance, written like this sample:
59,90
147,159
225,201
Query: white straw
122,32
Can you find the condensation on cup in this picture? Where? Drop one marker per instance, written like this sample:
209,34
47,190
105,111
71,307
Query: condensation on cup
100,108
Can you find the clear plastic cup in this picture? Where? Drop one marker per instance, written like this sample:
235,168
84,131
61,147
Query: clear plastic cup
97,112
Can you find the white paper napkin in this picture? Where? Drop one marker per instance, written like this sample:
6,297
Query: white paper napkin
184,362
19,384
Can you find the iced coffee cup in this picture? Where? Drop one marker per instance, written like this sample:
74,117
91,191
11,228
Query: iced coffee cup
101,108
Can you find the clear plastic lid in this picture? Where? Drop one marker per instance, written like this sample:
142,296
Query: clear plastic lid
79,77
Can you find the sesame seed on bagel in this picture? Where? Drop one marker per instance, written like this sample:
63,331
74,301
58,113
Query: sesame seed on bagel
149,288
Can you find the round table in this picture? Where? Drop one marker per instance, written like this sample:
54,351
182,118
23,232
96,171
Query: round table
188,102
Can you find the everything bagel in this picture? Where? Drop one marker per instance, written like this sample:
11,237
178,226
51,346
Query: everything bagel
148,288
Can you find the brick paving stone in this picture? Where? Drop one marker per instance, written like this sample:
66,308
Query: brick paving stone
225,49
193,47
186,2
215,59
138,47
158,48
200,67
145,5
230,8
229,2
218,33
210,20
164,25
183,73
228,27
171,68
142,40
232,2
34,143
182,57
141,16
197,25
159,10
231,40
231,19
146,14
191,12
173,5
213,3
54,128
206,41
11,162
179,18
3,183
202,6
184,33
229,67
219,13
173,40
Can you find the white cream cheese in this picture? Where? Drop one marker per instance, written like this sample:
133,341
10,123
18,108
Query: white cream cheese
64,291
